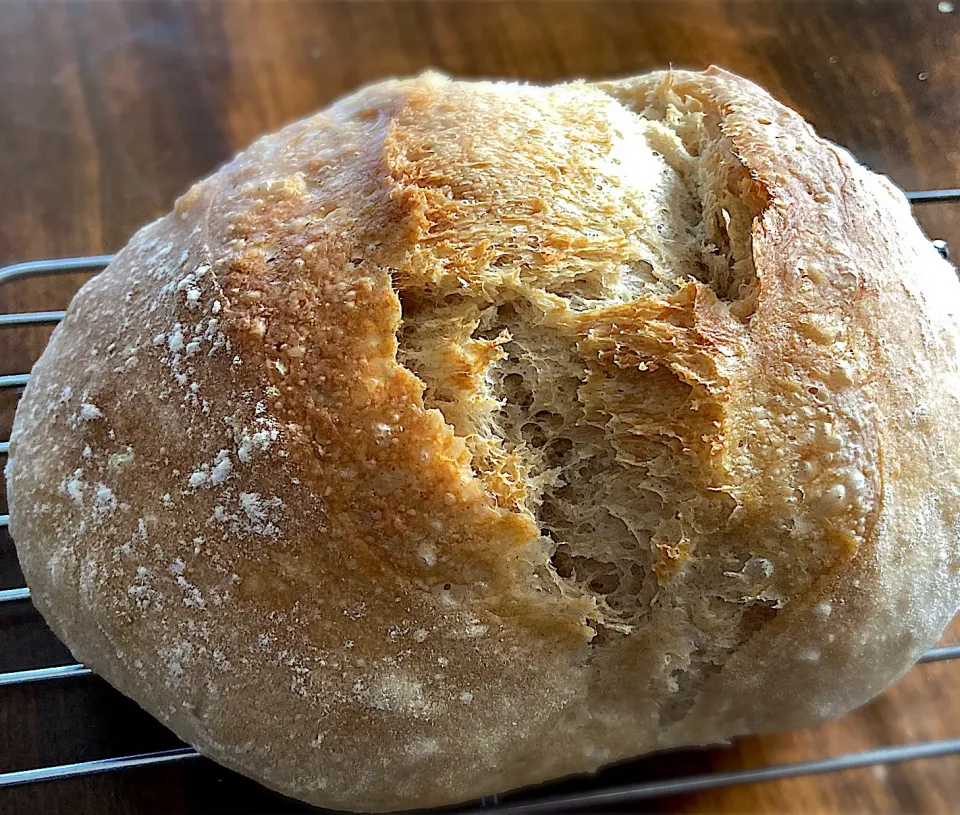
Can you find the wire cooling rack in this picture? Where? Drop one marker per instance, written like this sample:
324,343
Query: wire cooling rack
578,801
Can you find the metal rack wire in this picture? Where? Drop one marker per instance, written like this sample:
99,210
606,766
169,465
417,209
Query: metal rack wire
618,795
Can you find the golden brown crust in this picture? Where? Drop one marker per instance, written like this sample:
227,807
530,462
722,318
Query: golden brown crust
295,479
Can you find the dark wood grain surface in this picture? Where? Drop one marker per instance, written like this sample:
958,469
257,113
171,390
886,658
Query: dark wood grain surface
109,109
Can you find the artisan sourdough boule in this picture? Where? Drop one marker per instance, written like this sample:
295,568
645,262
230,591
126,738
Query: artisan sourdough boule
468,435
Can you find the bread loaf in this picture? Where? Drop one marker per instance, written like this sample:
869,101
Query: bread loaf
467,435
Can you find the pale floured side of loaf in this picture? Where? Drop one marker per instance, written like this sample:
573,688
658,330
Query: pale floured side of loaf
467,435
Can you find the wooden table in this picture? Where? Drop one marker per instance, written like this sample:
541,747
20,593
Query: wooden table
109,109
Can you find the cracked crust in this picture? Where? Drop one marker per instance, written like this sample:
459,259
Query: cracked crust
468,435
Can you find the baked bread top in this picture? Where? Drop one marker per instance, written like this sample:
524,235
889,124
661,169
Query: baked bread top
467,435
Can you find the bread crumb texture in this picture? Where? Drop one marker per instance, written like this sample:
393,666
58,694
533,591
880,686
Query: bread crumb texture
468,435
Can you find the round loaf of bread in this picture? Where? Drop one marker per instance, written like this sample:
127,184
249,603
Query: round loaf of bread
468,435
